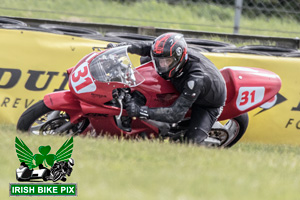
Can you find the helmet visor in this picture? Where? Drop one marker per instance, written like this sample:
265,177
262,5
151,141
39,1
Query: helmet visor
164,64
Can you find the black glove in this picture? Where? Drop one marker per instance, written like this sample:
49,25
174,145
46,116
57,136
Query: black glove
113,45
134,110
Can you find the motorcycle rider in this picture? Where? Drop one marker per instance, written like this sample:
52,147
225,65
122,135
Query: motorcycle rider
66,167
201,85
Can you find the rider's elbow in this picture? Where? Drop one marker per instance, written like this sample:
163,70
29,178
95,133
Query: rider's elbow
175,117
169,115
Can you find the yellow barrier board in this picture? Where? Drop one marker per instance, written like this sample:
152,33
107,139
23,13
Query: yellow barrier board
33,64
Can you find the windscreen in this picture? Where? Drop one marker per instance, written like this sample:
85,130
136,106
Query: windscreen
114,65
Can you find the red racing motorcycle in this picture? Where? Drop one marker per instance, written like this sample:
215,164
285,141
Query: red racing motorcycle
103,81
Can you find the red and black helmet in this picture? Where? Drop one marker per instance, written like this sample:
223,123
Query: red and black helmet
169,53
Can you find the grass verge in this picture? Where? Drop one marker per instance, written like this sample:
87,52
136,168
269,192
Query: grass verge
118,169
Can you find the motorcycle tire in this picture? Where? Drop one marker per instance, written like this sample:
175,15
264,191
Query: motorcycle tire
242,121
5,21
28,28
56,176
207,44
46,175
130,36
105,38
294,54
273,50
39,113
70,30
197,48
239,50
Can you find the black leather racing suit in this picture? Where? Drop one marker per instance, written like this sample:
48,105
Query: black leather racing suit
202,88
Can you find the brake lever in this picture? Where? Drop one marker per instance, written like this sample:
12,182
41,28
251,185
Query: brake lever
119,95
120,101
98,48
121,107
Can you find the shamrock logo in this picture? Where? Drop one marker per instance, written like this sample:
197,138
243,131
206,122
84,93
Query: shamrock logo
44,156
25,154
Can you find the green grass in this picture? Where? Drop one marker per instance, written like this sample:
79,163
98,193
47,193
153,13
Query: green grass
121,169
201,16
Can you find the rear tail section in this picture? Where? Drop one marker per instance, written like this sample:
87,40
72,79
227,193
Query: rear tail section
248,88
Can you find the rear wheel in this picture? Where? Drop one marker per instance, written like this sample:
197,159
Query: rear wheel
241,127
41,120
230,133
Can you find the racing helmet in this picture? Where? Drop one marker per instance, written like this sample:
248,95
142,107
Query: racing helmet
71,162
169,53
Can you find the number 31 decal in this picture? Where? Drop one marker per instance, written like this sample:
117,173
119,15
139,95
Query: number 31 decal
81,79
249,96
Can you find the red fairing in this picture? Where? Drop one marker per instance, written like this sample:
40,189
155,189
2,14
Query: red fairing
107,125
158,91
247,88
64,101
90,94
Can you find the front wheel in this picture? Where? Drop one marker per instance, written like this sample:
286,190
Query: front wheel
41,120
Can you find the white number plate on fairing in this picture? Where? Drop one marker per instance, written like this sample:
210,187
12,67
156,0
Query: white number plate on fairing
249,96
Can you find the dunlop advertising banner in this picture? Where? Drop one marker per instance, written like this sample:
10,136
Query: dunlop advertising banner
33,64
